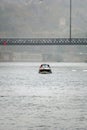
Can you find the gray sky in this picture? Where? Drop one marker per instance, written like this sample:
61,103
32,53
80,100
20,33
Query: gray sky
42,18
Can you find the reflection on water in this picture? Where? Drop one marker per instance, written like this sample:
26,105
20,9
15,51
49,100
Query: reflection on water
33,101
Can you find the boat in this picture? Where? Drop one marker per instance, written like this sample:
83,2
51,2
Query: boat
45,69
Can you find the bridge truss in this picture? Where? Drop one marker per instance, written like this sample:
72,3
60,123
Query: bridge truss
43,41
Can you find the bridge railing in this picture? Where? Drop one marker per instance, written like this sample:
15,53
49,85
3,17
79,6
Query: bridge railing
43,41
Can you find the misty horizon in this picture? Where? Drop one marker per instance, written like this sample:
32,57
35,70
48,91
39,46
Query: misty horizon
42,18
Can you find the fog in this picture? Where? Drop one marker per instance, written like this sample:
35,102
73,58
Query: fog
42,18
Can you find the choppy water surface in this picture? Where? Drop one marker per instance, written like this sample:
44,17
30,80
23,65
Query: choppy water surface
33,101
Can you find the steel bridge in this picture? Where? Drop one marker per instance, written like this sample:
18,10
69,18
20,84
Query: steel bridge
43,41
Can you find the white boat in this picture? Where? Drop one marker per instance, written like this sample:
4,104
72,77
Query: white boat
45,69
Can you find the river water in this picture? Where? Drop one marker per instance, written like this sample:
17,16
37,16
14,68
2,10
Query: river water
33,101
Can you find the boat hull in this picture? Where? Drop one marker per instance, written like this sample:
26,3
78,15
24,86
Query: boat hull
45,71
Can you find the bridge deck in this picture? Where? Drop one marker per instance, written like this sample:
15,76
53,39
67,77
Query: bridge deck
43,41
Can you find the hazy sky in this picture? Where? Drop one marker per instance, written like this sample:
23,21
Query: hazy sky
42,18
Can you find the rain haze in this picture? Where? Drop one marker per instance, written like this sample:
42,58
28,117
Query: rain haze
30,100
42,18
